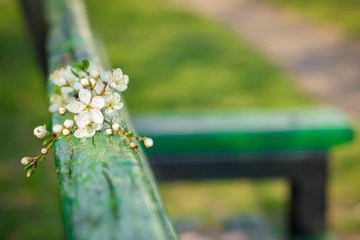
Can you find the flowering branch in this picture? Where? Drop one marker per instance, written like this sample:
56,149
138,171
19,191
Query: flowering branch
87,98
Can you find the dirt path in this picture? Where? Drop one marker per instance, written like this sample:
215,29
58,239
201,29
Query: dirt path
322,61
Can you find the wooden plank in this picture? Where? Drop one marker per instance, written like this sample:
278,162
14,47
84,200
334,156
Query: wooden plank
107,189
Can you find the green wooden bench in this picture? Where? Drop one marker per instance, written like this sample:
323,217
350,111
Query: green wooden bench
255,144
107,189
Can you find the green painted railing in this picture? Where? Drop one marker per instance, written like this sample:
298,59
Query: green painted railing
107,189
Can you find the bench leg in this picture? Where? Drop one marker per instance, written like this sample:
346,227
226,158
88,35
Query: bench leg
308,198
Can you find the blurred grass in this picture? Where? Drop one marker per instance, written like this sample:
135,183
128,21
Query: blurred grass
29,208
344,194
345,15
177,61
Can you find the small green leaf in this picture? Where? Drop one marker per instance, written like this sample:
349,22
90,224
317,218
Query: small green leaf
85,64
47,141
78,66
74,72
42,159
30,165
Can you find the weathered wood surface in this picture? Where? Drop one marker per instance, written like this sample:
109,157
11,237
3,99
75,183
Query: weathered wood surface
107,189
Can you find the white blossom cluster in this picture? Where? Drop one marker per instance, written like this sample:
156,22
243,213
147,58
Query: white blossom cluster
91,95
89,100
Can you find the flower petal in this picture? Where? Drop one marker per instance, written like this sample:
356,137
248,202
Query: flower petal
109,111
75,107
54,107
80,133
77,85
83,119
85,96
117,74
90,131
99,86
118,106
126,79
121,88
69,76
97,116
116,97
106,76
98,102
66,90
98,127
113,85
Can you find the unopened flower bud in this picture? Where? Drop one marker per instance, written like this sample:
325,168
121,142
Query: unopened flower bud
148,142
85,82
116,127
92,82
109,131
66,132
29,172
43,151
40,131
68,123
95,74
133,145
25,160
62,111
57,128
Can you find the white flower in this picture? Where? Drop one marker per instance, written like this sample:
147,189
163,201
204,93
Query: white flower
40,131
64,77
59,101
57,77
70,77
87,131
119,80
87,109
112,103
148,142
